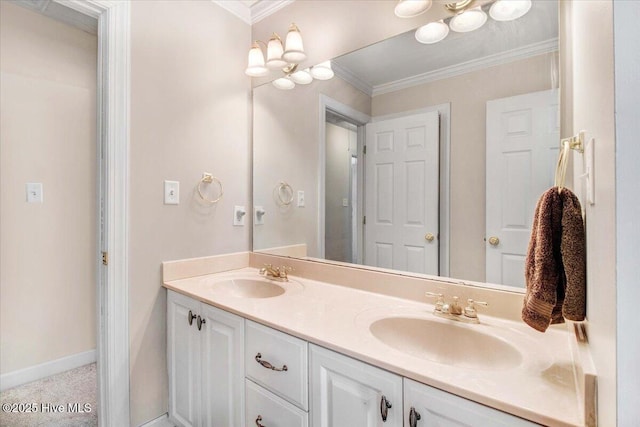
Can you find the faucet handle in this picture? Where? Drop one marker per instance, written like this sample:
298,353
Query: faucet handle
470,310
439,299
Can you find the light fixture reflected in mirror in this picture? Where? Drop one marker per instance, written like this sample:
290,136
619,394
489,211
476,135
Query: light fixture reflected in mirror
411,8
508,10
322,71
433,32
469,20
302,77
284,83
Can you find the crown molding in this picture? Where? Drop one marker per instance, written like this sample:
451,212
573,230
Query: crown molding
254,13
346,75
524,52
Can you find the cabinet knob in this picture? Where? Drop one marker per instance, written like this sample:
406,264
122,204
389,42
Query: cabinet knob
414,417
385,405
258,423
191,317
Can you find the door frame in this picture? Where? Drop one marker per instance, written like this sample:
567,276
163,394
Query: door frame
112,281
358,118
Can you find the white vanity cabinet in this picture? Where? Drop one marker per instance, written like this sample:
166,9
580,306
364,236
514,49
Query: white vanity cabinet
347,392
205,348
277,384
426,406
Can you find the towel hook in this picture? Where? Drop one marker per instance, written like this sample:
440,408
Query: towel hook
207,178
576,142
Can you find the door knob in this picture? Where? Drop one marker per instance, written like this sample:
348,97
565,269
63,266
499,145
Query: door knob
494,241
429,237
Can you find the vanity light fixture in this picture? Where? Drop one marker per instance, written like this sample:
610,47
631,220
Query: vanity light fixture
411,8
322,71
508,10
433,32
302,77
284,83
469,20
281,57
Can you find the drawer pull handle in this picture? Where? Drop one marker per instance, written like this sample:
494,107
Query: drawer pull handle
268,365
258,423
414,417
201,321
385,405
191,317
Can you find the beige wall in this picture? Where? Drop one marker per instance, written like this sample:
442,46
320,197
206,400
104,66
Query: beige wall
593,111
190,113
47,132
468,95
285,146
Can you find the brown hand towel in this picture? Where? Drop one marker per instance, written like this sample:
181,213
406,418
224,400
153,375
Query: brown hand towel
555,265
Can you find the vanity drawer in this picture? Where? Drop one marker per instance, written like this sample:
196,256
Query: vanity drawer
265,348
273,411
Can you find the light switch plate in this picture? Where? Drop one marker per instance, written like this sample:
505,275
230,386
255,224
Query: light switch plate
300,198
345,202
34,192
239,212
171,192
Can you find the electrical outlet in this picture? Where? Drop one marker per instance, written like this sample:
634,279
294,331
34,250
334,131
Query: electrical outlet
300,199
171,192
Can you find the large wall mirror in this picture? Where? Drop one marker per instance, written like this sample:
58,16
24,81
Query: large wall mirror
420,158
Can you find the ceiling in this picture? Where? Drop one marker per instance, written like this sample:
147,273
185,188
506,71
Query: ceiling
402,59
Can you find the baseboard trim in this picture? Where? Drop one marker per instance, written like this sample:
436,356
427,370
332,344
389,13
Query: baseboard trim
161,421
37,372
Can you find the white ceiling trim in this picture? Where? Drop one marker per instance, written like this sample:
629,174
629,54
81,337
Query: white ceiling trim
346,75
523,52
254,13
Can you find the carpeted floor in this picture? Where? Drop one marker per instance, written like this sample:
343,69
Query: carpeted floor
67,399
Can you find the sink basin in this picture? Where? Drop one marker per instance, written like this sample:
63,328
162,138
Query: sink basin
446,343
248,288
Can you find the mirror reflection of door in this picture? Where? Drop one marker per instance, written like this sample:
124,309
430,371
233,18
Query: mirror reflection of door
341,189
401,193
522,148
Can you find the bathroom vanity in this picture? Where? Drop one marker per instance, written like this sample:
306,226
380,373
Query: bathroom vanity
244,349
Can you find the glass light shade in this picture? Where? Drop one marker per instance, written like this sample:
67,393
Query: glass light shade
469,20
301,77
274,54
322,71
508,10
433,32
411,8
294,51
284,83
256,66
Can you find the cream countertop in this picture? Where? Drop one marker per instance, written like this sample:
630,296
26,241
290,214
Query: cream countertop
542,388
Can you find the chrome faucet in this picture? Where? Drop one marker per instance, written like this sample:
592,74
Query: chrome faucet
276,272
454,311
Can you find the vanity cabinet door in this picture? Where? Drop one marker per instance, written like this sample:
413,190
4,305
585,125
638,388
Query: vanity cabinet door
436,408
346,392
222,336
183,360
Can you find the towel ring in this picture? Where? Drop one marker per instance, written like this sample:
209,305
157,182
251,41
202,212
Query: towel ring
287,188
207,178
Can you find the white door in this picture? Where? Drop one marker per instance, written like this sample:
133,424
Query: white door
183,359
347,392
401,195
522,149
222,337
